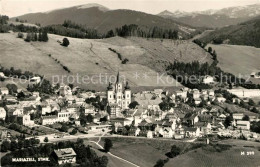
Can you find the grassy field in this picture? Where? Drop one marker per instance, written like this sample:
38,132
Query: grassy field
91,57
143,152
238,59
231,157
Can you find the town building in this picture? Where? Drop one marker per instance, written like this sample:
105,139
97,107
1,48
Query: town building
64,156
2,113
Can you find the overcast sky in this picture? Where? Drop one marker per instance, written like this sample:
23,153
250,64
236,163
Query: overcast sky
19,7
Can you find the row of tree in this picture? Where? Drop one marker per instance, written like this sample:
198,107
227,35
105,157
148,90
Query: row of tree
42,36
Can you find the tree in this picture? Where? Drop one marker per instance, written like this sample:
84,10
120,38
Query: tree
159,163
108,145
20,35
64,128
245,118
46,140
210,49
251,102
13,145
228,121
45,36
65,42
174,151
28,37
89,118
12,88
133,104
74,131
5,146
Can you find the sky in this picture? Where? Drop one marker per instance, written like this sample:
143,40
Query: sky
19,7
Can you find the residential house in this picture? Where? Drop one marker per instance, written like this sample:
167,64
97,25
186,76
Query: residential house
191,118
150,134
244,125
167,133
4,90
238,116
2,113
25,120
208,79
64,156
192,132
49,119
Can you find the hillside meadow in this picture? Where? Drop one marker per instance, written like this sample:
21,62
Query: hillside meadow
237,59
147,58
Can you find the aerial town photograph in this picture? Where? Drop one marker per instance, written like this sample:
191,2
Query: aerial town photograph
130,83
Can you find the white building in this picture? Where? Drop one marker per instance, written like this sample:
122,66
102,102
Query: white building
2,113
49,120
244,125
208,79
34,80
4,91
116,94
64,156
25,120
245,93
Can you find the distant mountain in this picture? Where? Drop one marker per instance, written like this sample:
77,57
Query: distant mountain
214,18
101,18
246,33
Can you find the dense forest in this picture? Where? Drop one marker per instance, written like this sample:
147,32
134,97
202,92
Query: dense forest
72,29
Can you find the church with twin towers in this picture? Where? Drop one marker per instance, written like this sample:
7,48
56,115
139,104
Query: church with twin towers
119,95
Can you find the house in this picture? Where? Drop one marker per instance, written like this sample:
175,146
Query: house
4,91
90,109
25,120
2,113
211,92
2,75
98,127
181,93
238,116
65,90
196,94
150,134
222,117
64,156
191,118
49,120
245,93
197,101
179,132
191,132
208,79
46,109
220,99
204,127
35,80
244,125
167,133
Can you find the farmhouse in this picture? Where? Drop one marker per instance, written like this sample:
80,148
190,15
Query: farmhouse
64,156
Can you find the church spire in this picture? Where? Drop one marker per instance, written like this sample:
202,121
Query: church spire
117,77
